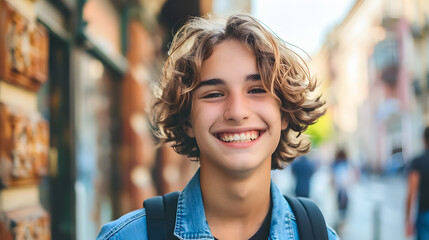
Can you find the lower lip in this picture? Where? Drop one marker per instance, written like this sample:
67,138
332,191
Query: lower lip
241,144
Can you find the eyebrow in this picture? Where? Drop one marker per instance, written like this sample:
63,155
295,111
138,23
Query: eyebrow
253,77
219,81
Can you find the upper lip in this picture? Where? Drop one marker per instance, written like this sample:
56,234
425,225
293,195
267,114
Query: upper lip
238,130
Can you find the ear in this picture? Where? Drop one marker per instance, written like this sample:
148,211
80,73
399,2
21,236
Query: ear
189,130
284,123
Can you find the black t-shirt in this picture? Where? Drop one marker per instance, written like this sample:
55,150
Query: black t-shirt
264,231
421,165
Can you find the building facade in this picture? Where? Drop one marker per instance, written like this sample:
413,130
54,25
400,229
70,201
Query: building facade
76,146
376,72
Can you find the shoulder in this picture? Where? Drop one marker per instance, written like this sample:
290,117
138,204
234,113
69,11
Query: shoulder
130,226
416,163
305,211
332,235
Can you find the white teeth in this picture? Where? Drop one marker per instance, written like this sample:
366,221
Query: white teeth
242,137
236,137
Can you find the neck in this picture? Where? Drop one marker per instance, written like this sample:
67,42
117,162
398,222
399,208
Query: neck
240,201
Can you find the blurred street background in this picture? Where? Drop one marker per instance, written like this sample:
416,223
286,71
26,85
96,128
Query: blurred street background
76,78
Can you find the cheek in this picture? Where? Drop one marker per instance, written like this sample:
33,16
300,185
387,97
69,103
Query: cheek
271,113
203,116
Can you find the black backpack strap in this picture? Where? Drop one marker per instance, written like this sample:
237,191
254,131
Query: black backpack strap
316,218
161,216
308,216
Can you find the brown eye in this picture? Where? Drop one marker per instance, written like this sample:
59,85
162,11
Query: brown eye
212,95
257,90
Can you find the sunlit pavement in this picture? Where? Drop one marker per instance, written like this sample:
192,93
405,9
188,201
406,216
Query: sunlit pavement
376,204
376,210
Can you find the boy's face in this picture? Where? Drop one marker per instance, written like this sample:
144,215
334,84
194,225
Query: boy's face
235,122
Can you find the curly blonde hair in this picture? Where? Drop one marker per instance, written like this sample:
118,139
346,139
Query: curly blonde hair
283,72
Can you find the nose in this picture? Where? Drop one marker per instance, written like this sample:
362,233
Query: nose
237,108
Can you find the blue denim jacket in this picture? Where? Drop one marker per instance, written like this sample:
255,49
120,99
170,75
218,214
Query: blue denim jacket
191,221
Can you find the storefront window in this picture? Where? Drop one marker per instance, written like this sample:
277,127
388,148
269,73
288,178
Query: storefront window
97,141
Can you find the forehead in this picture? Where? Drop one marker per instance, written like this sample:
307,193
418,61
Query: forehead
230,58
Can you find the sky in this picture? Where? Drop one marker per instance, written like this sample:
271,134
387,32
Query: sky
303,23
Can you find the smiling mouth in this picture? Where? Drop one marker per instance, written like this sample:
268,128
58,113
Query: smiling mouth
247,136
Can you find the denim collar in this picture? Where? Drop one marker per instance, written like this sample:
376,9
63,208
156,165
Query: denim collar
191,222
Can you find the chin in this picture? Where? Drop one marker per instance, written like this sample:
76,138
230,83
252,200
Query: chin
244,165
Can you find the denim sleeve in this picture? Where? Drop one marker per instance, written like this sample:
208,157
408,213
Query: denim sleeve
130,226
332,235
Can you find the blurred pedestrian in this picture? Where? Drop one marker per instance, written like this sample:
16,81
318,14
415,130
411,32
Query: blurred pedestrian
303,169
342,176
418,194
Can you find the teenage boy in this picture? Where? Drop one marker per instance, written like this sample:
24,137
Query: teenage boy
234,97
